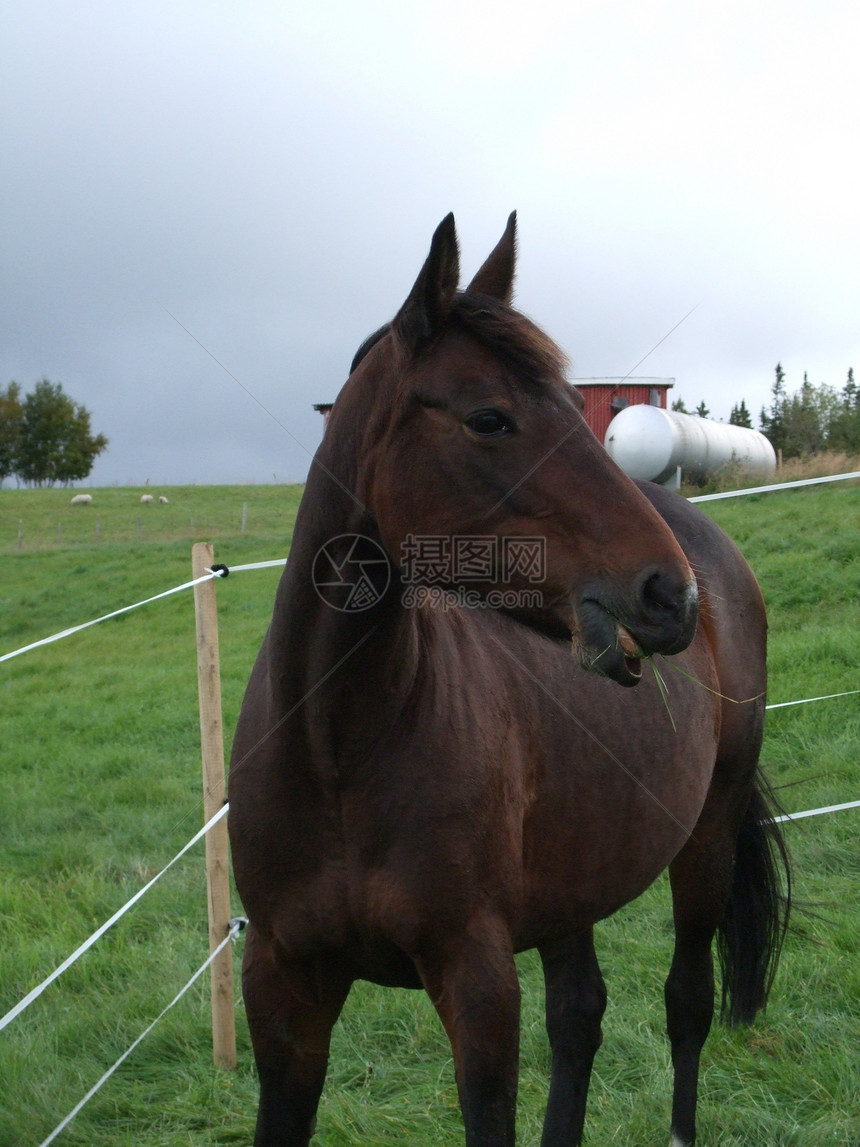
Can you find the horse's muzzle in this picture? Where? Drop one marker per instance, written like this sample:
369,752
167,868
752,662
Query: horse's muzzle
617,626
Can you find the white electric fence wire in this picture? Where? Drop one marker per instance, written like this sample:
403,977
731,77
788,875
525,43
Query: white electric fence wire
259,565
816,811
208,576
235,927
775,486
99,932
807,700
125,609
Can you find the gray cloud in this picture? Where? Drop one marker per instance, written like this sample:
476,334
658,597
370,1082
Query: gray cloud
271,178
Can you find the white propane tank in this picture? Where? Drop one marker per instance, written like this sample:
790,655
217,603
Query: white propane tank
654,444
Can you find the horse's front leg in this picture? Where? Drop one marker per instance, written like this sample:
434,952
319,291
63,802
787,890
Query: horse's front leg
473,984
575,1002
291,1009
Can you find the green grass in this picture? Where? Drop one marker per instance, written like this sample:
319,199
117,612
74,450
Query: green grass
45,520
100,786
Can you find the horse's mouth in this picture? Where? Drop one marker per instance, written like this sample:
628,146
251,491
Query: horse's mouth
631,656
621,660
607,647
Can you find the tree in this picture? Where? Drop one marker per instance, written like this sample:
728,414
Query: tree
845,424
701,410
11,416
772,422
56,443
807,416
740,416
804,422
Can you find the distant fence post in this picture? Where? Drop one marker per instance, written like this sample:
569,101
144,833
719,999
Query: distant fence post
214,795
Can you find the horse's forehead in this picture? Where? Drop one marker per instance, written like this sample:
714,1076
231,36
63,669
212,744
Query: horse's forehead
460,356
458,350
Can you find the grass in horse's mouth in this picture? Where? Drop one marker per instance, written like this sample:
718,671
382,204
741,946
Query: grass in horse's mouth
630,648
633,664
664,692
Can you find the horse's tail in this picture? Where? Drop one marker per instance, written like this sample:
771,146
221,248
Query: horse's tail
750,938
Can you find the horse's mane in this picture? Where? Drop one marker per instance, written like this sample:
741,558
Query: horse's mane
503,331
368,345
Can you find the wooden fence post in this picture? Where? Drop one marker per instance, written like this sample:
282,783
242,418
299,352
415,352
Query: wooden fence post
214,795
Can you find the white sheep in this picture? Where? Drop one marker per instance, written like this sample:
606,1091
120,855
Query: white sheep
162,501
146,499
81,500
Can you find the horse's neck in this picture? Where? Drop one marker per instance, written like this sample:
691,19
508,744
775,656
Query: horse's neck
334,663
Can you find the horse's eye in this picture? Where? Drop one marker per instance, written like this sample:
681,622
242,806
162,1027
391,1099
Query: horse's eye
490,423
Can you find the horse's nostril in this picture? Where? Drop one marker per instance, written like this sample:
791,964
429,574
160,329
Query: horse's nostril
668,604
665,595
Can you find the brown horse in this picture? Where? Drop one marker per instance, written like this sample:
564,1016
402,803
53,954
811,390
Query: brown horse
435,767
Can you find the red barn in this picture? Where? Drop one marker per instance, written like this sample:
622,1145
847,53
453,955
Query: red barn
604,397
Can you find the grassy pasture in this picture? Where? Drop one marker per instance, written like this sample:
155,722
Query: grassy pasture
100,786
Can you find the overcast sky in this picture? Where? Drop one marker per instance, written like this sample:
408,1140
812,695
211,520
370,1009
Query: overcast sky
267,176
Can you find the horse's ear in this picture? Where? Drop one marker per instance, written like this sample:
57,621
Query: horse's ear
429,303
496,277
